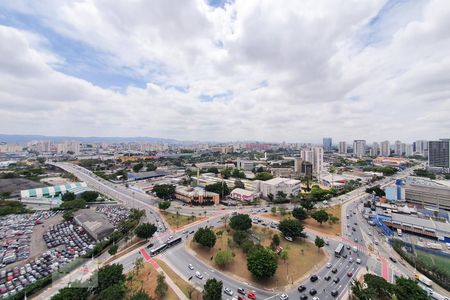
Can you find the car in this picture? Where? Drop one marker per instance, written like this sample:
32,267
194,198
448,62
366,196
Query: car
392,259
358,261
348,247
329,265
355,239
303,297
288,238
228,291
334,293
353,228
150,245
190,266
198,275
336,280
314,278
349,274
252,296
284,297
334,271
241,291
350,259
355,223
327,278
301,288
312,292
316,298
344,255
240,297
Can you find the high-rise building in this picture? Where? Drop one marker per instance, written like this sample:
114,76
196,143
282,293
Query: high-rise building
409,150
359,148
375,149
439,153
298,165
398,148
327,144
343,147
385,148
421,147
314,155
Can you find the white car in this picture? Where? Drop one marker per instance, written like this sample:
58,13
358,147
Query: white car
198,275
284,297
191,267
358,261
329,265
228,291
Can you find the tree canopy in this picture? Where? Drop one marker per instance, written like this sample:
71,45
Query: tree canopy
239,184
205,237
377,190
223,257
240,222
299,213
164,191
145,230
89,196
163,205
319,242
320,216
68,196
212,289
108,276
71,293
262,263
217,188
263,176
291,228
137,167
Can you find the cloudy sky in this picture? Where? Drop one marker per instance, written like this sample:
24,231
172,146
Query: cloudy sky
226,70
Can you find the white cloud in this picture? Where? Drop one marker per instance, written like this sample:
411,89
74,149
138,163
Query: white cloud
323,75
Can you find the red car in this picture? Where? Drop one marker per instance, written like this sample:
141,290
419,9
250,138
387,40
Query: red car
251,295
349,274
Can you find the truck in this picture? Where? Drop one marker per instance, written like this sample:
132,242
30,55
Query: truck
423,279
434,246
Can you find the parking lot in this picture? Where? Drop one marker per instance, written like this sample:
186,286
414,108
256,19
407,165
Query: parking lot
114,213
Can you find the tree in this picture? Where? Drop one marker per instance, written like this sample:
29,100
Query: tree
360,293
161,286
151,167
163,205
113,249
241,222
223,257
164,191
407,289
307,204
74,204
273,210
320,216
291,228
140,295
220,188
138,265
299,213
108,276
378,285
284,255
376,190
137,167
212,289
263,176
68,196
262,263
71,293
281,197
332,219
239,184
275,241
270,196
282,210
226,173
68,215
213,170
115,291
319,243
205,237
145,230
89,196
240,236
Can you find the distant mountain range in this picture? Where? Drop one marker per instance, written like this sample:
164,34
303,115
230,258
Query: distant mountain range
16,138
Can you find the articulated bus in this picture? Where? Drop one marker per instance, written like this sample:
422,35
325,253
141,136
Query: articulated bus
339,250
158,249
174,241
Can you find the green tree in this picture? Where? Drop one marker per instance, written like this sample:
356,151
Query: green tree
263,176
68,215
74,204
89,196
275,241
205,237
319,242
307,204
137,167
151,167
376,190
273,210
145,230
332,219
240,236
320,216
213,170
164,191
115,291
163,205
108,276
240,222
291,228
68,196
223,257
407,289
140,295
161,286
378,285
226,173
71,293
239,184
212,289
262,263
113,249
299,213
218,188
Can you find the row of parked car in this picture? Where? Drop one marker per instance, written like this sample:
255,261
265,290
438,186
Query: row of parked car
15,235
114,213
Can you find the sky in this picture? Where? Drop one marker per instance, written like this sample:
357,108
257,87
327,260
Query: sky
224,70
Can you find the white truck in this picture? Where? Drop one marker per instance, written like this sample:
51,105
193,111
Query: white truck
425,280
434,246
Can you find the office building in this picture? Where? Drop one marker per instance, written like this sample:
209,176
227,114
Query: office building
243,195
196,195
307,169
327,144
343,147
398,148
246,165
385,148
421,147
375,149
395,192
409,151
439,154
298,165
427,193
359,148
275,185
314,155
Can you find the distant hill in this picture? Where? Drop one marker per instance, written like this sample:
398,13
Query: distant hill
16,138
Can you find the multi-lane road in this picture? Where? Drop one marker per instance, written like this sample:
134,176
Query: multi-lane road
178,257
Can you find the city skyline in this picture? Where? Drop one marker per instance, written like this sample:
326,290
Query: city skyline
226,70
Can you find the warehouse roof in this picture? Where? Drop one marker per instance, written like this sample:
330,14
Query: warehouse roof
96,224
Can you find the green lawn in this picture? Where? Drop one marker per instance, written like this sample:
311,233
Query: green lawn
440,262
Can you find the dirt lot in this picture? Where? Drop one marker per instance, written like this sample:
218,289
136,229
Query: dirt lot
179,221
38,245
302,257
15,185
146,280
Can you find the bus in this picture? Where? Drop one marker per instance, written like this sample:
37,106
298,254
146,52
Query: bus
339,250
158,249
399,232
174,241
